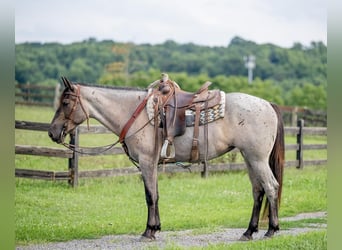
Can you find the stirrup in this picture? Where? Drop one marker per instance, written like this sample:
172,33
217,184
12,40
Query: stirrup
167,148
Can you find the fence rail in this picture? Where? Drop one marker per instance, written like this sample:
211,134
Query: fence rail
312,117
32,94
40,95
73,173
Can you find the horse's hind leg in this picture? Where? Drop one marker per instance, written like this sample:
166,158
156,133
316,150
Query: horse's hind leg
271,187
263,182
258,195
273,224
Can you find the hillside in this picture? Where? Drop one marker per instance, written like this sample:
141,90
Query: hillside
286,75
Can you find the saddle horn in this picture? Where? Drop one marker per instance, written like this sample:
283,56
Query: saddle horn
164,77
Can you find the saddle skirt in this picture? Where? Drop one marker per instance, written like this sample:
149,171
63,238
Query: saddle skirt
206,115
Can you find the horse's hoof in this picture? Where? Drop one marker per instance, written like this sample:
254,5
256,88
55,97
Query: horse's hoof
147,239
246,238
268,235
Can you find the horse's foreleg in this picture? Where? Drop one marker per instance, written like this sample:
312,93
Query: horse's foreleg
153,221
151,193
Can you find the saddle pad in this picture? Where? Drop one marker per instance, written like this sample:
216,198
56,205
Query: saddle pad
213,113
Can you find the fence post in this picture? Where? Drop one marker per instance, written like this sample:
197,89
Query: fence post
294,116
28,92
73,162
300,135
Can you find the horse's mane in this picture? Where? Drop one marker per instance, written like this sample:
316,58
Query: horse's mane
125,88
128,88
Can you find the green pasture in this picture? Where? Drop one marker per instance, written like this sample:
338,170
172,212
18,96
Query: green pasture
51,211
47,211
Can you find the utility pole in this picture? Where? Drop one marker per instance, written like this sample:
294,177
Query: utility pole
250,65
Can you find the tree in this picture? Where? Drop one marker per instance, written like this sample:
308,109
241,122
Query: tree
310,96
79,70
279,72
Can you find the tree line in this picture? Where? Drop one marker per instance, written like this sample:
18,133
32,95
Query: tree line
295,76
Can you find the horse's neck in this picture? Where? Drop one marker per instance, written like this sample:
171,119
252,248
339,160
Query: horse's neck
111,107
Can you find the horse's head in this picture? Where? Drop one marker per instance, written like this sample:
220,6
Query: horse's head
69,114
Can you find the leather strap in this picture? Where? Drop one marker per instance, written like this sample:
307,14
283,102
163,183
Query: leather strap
131,120
194,149
77,101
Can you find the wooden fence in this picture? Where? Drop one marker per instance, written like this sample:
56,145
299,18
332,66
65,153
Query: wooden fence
39,95
73,174
313,118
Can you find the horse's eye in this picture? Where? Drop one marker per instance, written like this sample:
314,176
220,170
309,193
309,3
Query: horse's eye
65,103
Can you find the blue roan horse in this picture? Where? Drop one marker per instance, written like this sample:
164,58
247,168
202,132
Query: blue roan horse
251,124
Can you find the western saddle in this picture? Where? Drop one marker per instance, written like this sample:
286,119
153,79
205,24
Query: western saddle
171,105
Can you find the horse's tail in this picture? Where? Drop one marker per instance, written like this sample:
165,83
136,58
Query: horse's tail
277,158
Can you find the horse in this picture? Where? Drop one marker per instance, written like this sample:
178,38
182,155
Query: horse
251,124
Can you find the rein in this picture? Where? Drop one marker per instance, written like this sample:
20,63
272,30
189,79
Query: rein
102,149
81,150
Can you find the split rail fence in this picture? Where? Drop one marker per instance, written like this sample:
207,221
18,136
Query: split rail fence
40,95
73,173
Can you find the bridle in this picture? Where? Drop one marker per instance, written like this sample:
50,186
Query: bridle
69,118
122,137
77,101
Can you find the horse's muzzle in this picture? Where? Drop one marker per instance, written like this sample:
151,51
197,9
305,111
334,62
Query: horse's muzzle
57,137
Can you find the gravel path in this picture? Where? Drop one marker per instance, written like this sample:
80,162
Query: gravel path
185,238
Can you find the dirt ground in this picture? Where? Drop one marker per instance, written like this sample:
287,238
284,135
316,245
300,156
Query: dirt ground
186,238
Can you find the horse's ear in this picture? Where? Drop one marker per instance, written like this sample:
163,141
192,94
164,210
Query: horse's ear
67,83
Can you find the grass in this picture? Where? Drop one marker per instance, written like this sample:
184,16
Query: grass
51,211
309,241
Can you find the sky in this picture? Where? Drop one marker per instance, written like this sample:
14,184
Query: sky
202,22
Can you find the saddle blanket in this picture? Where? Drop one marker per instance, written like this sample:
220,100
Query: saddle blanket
212,114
